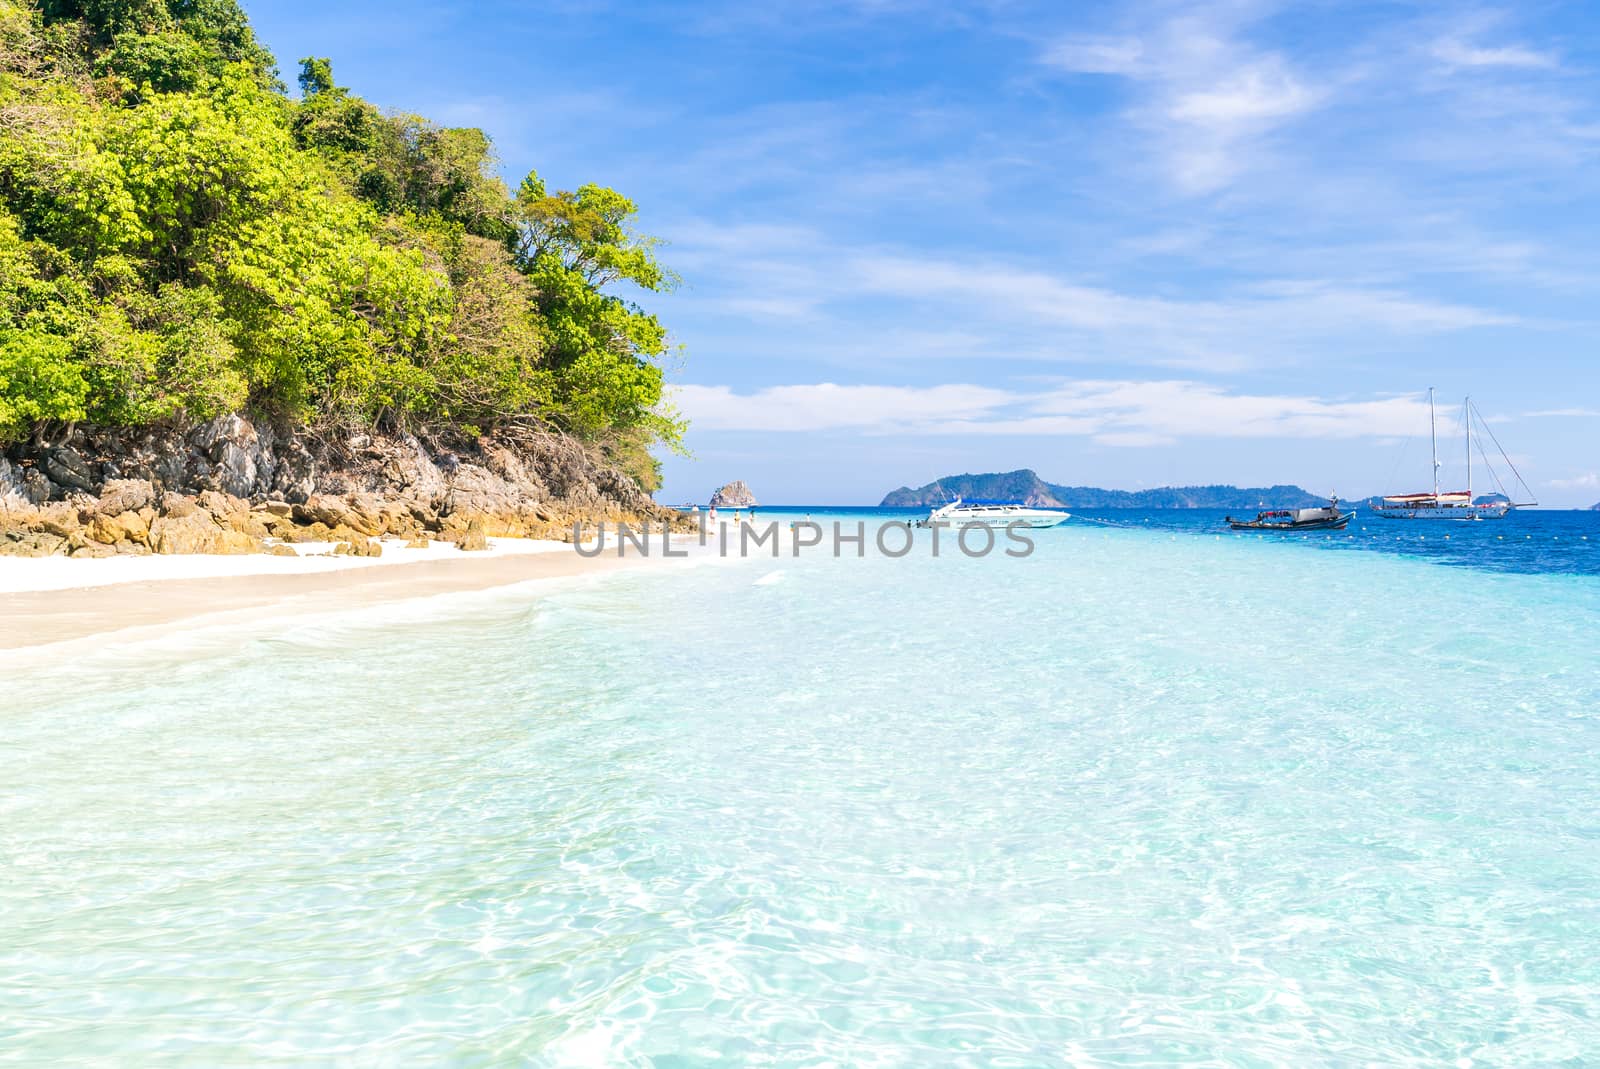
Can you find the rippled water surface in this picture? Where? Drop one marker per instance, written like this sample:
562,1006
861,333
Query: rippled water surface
1139,799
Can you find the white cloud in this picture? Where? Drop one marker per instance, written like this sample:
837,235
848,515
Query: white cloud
1206,98
1587,481
1261,92
1098,55
1120,413
827,406
1455,52
1261,323
852,304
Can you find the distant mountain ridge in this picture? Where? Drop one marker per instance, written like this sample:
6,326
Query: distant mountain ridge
1025,486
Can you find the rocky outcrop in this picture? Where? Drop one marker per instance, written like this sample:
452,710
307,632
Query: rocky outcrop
231,486
734,495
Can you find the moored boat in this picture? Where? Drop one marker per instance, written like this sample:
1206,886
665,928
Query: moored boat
1455,504
1331,518
957,514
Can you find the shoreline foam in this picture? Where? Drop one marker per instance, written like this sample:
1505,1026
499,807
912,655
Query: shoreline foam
49,610
34,574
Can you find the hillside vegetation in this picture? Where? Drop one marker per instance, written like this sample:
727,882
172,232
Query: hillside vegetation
181,237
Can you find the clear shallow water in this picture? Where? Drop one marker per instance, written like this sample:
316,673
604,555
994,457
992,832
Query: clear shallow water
1143,798
1529,541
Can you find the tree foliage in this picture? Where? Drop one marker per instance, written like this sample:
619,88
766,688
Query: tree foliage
179,237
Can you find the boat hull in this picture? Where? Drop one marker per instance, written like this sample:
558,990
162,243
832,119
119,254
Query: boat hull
998,518
1455,513
1315,525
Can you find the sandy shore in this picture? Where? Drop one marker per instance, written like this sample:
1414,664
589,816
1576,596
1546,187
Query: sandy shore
65,601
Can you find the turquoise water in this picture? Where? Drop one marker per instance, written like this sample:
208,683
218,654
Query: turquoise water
1143,798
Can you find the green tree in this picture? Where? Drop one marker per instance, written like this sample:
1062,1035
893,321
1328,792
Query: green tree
606,351
179,238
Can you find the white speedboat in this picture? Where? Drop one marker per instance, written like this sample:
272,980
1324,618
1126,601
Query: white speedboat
1456,504
958,515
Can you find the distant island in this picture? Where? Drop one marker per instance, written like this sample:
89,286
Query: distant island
734,495
1026,487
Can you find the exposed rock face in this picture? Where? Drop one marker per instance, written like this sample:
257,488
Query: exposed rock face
734,495
230,486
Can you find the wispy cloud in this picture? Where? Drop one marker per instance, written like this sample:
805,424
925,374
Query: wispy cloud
1205,98
1262,322
1119,413
829,406
990,309
1460,52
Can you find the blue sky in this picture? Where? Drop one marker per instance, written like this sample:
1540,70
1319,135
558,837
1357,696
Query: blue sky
1126,245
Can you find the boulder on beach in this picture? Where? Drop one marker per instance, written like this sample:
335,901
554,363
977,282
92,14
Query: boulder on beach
734,495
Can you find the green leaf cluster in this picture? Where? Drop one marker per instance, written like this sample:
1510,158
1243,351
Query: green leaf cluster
179,237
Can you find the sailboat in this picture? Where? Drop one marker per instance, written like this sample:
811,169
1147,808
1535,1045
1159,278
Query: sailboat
1456,504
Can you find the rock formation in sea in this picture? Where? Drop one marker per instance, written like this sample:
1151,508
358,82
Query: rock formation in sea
734,495
233,486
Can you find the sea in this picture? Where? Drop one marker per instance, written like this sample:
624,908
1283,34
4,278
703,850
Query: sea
1154,793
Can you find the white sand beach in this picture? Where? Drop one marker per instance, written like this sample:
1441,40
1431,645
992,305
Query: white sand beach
57,600
24,575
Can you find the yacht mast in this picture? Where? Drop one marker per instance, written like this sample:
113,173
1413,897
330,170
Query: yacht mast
1466,423
1433,440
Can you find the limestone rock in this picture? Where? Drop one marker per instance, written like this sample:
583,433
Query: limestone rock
523,482
175,506
473,538
221,504
58,518
15,489
197,532
734,495
66,467
35,486
127,526
31,544
360,547
295,478
361,513
121,495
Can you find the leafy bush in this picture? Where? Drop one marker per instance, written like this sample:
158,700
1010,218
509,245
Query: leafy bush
179,238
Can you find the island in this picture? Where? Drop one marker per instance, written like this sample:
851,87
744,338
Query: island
734,495
1026,487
